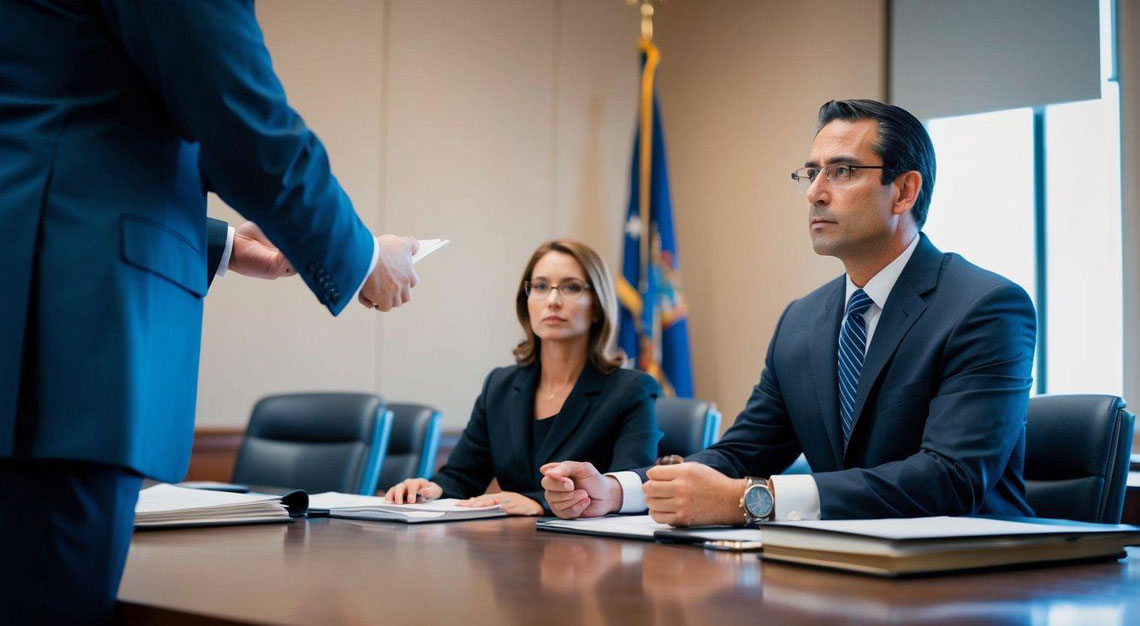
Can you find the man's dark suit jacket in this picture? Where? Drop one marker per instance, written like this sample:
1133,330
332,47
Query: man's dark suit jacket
940,410
116,118
607,420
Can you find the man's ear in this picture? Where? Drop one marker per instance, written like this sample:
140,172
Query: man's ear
908,186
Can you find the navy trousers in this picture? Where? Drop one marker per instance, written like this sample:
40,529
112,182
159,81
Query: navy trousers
65,527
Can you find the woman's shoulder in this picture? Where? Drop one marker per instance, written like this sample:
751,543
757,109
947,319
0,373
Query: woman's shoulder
623,379
503,375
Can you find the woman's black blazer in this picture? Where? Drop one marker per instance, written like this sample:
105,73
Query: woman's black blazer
608,420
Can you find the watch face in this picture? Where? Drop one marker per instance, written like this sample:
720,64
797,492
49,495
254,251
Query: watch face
758,501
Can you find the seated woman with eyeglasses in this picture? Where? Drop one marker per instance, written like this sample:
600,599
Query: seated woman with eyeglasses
566,399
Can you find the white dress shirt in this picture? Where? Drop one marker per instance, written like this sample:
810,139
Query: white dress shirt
227,252
797,496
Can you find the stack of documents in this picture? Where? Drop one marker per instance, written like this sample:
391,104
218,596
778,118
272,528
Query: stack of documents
167,506
349,506
926,545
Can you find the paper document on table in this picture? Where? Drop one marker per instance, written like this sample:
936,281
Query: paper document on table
626,526
351,506
427,246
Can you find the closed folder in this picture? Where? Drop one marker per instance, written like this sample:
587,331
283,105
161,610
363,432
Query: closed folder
941,545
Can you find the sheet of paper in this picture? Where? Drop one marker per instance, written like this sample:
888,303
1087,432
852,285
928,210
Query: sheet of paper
625,525
935,527
164,497
427,246
726,534
334,500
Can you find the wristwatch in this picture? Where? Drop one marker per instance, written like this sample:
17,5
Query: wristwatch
758,503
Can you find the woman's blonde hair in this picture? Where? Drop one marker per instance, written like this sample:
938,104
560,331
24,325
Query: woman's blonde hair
602,354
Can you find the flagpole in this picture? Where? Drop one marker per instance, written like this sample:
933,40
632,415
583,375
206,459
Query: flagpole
645,160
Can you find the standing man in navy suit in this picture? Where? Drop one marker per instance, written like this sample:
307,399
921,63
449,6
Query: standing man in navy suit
116,118
904,382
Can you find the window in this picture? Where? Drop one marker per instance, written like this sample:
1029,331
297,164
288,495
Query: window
1034,194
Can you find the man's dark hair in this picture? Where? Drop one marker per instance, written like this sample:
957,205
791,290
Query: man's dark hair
904,144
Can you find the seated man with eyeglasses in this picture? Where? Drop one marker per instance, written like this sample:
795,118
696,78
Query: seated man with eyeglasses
905,382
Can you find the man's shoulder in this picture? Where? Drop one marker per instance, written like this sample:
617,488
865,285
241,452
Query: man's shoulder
967,282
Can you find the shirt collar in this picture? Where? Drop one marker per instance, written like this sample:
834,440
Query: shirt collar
881,284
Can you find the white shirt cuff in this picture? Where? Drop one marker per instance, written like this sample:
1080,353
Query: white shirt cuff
632,494
224,264
797,497
371,266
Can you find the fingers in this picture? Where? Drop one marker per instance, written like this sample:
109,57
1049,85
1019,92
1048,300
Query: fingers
565,497
668,472
576,470
413,245
660,489
414,486
480,501
572,511
673,519
406,492
556,484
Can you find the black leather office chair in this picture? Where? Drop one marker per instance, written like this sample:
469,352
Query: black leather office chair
316,442
689,425
1077,450
413,444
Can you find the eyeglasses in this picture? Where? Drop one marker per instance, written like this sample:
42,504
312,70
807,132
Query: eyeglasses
835,173
569,289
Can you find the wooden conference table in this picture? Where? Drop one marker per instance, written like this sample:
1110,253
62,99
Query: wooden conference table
504,572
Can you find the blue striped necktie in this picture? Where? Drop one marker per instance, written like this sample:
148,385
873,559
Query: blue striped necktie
852,347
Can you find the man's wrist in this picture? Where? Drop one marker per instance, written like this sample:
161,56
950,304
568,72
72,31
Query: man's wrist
739,486
616,492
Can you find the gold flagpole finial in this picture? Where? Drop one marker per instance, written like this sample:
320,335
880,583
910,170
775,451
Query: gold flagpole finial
646,8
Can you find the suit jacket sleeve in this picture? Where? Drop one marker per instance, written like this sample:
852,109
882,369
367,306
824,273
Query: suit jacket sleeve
207,60
974,421
636,444
469,468
761,441
216,232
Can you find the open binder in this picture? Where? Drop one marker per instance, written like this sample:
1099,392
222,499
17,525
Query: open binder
166,506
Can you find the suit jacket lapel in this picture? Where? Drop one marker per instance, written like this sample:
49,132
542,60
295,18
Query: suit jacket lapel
903,308
521,413
824,365
586,388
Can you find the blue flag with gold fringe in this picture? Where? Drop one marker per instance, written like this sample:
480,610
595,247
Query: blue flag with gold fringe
653,328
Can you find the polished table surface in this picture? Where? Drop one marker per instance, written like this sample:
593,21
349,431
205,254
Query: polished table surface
503,571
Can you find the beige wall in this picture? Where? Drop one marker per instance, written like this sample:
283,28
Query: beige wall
496,124
263,337
740,84
499,124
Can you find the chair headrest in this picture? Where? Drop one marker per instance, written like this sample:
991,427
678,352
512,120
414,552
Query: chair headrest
316,417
